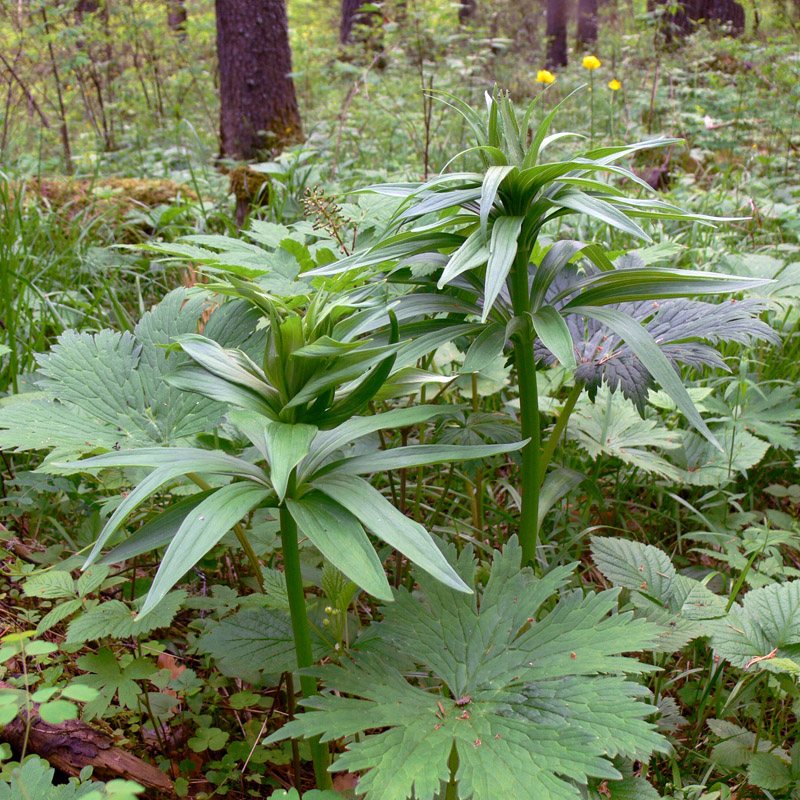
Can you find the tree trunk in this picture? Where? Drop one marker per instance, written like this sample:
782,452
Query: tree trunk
349,14
557,33
587,23
258,105
467,9
176,17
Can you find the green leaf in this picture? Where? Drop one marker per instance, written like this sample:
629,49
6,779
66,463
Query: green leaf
57,711
599,209
648,352
767,771
471,254
338,535
610,427
199,532
283,445
554,333
737,746
486,347
53,584
763,631
417,455
635,566
327,443
113,678
502,251
170,463
113,619
255,640
383,520
493,177
557,484
531,709
157,532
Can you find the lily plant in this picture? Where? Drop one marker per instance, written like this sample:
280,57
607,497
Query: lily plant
300,409
492,272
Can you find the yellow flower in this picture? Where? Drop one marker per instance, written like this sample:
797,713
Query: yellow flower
591,62
614,85
544,76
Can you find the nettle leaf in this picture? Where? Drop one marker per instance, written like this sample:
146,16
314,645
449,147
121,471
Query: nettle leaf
611,427
764,631
769,772
702,464
255,640
684,330
107,391
678,605
114,619
533,710
738,745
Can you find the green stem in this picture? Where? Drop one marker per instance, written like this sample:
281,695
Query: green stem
561,423
529,410
451,792
301,629
240,535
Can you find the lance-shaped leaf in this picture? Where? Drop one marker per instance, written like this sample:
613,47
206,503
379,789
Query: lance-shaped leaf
157,532
170,463
491,184
502,251
551,328
283,445
417,455
201,530
382,519
599,209
338,535
656,363
327,443
471,254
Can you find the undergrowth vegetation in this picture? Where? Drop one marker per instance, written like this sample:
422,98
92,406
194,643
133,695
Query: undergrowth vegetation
466,468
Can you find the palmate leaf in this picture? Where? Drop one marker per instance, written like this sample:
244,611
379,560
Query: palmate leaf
535,703
107,390
683,329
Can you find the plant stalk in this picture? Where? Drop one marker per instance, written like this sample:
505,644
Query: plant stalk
529,410
301,630
550,448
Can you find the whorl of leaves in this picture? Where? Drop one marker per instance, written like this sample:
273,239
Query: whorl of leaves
536,703
683,329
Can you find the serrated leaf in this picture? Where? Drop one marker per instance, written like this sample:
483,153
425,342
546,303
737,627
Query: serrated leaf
113,619
767,771
53,584
530,708
631,565
762,631
255,640
611,427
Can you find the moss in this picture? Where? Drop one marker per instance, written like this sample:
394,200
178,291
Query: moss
247,184
114,196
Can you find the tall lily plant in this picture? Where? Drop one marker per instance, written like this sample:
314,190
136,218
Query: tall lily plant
300,409
481,232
